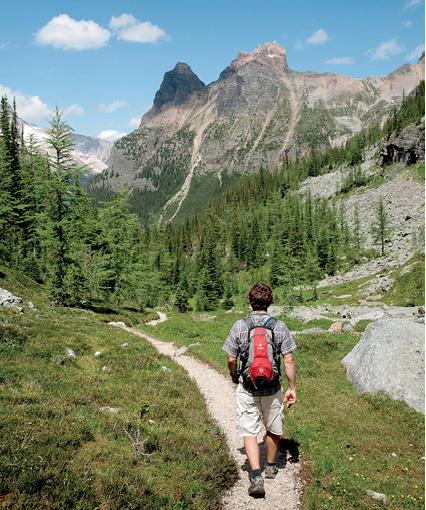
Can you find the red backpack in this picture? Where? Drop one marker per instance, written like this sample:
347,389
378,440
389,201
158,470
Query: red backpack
260,362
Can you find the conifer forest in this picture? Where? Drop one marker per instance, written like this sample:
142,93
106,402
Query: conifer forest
260,228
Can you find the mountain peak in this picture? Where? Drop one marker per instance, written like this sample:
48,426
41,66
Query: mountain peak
271,54
177,85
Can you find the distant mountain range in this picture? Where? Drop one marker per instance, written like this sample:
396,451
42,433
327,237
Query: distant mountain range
93,152
198,138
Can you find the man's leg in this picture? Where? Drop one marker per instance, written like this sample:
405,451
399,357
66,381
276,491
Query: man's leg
252,451
271,444
273,417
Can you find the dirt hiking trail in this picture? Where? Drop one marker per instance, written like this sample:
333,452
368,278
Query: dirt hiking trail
283,492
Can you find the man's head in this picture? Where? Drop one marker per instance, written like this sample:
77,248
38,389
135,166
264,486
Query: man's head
260,296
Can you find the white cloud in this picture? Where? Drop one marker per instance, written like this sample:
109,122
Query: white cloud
110,135
318,37
407,24
74,109
29,108
415,54
386,50
127,28
112,107
340,61
65,33
413,3
134,122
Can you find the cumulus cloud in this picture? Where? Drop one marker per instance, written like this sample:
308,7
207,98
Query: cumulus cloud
340,61
416,53
74,109
318,37
111,135
386,50
65,33
112,107
407,24
412,3
29,108
127,28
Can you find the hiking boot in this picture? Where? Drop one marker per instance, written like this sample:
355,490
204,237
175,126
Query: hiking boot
270,471
256,489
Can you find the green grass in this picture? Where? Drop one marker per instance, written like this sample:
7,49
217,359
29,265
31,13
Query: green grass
58,449
347,440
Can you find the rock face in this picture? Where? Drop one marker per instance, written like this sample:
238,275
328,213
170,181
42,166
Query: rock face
390,357
407,147
256,113
177,86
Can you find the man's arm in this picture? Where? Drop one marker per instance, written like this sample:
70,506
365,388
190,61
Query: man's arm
232,366
290,372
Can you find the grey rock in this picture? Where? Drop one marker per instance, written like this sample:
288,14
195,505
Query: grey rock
110,409
313,331
347,328
408,147
9,300
117,324
70,353
377,495
390,357
31,306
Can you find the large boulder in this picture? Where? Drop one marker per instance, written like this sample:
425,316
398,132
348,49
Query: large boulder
390,357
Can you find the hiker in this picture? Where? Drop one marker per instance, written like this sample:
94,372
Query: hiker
256,396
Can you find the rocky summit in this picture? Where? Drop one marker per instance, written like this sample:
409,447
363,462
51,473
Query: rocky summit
198,138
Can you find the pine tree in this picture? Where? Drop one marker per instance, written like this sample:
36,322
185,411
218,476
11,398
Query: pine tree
60,188
381,229
120,230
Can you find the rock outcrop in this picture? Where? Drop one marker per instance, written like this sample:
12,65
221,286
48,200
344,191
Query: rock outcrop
390,357
407,147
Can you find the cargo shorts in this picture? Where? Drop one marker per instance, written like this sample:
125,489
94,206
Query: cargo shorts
251,409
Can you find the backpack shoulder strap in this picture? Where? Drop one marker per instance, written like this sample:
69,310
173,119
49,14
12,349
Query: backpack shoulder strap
272,322
250,322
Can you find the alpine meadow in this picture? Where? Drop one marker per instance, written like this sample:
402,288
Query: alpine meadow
316,189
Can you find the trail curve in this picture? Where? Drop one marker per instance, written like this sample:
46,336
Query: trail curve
283,492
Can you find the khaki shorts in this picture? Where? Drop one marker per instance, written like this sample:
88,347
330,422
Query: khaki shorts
250,409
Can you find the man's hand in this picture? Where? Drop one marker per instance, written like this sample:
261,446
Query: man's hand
235,378
290,397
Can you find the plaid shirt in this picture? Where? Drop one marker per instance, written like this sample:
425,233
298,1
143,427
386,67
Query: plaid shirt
237,342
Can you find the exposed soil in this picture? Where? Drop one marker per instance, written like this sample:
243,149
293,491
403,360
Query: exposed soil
283,492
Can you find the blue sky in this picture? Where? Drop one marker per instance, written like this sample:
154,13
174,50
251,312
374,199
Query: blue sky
101,62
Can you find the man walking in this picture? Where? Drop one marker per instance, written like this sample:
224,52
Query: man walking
261,402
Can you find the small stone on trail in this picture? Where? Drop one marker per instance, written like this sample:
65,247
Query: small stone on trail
98,353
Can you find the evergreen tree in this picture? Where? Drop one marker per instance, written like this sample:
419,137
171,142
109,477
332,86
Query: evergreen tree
381,229
119,233
60,188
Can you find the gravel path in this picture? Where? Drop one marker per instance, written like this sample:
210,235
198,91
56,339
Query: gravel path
282,493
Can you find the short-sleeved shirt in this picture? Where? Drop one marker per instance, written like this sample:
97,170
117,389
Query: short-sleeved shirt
237,342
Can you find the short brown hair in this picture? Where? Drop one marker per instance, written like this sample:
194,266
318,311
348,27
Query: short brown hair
260,296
